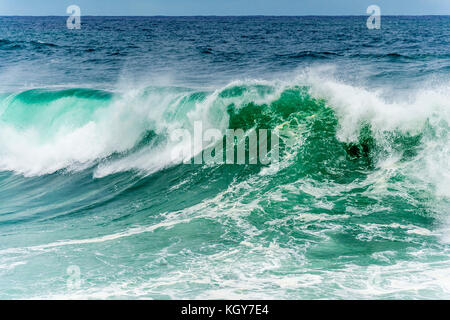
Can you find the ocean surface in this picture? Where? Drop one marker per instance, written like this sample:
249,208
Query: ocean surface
92,205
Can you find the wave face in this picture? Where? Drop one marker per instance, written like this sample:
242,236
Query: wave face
357,206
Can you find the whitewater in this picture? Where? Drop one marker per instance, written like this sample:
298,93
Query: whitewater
355,208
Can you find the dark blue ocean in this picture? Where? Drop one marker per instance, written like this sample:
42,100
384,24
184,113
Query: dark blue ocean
93,205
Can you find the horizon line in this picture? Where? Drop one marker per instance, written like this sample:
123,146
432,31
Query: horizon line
243,15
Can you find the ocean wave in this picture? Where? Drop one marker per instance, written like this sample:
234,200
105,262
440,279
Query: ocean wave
46,131
13,45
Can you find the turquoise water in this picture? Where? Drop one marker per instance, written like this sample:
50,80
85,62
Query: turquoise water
92,205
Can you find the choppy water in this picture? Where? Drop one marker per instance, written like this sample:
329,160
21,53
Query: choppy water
357,207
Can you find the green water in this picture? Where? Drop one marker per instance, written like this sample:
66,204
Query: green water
350,210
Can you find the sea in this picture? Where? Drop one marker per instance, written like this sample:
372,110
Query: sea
95,204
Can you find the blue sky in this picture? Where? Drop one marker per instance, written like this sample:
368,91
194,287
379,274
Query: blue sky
224,7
